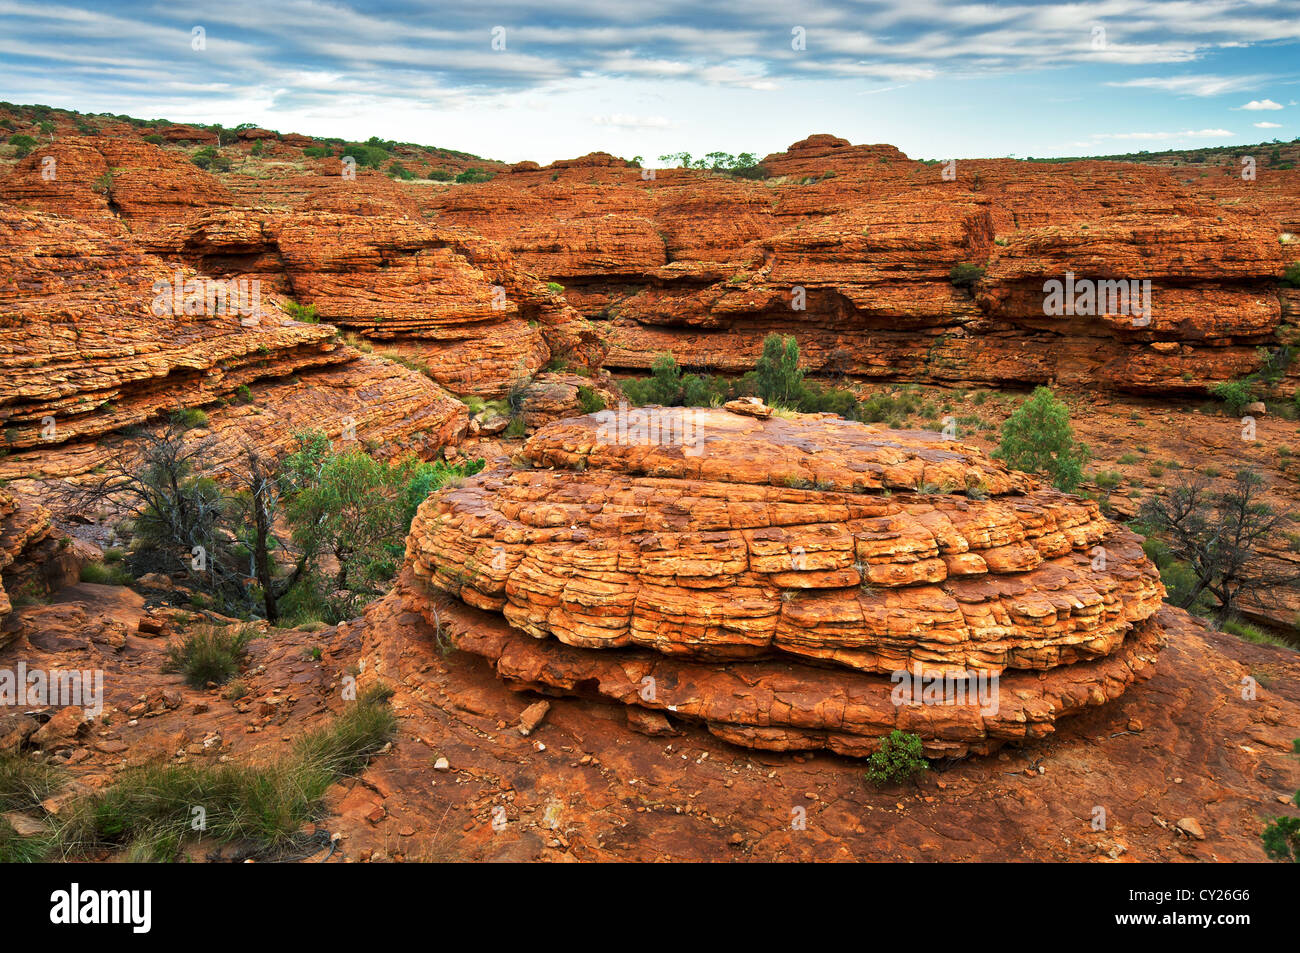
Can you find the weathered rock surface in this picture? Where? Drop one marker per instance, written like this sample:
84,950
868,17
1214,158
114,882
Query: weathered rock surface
811,538
851,249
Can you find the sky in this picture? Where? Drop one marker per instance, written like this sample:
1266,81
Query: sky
561,78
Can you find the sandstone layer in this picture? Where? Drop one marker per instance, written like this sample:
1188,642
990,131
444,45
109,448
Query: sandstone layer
776,575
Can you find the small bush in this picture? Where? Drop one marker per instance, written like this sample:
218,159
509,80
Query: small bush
589,402
1235,395
1128,459
555,287
149,809
1290,277
305,313
898,759
965,274
189,418
105,575
209,654
474,175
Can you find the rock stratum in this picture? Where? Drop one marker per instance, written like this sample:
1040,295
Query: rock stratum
775,579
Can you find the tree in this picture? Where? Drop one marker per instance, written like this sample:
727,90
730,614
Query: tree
1219,536
665,381
1038,438
780,381
178,514
254,509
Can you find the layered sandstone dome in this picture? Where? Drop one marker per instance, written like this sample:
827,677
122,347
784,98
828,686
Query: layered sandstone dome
770,576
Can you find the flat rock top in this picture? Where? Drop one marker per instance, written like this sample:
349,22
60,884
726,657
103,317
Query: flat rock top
805,451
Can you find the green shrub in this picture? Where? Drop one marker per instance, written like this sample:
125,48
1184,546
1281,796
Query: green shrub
209,654
1038,437
965,275
780,381
148,810
441,175
589,402
398,171
899,758
105,575
305,313
189,418
1290,277
1235,395
474,174
555,287
244,394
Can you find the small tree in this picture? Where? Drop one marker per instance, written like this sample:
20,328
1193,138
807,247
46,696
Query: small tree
899,758
665,381
1219,536
1038,438
780,381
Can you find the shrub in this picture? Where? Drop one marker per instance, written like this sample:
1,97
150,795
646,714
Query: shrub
965,275
1038,437
305,313
665,381
209,654
780,381
189,418
474,174
105,575
149,809
24,144
1235,395
554,287
1291,277
1282,837
589,402
899,758
209,158
244,394
441,175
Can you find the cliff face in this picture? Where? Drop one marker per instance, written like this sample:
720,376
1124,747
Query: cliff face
852,248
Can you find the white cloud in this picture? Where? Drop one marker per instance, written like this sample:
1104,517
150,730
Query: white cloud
1256,104
1268,125
1206,85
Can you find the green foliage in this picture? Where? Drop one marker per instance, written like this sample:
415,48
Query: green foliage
965,275
305,313
665,381
589,402
209,654
1037,437
153,139
148,811
1234,394
24,144
209,158
398,171
780,381
244,394
189,418
1290,277
1281,838
440,175
744,166
318,152
474,174
105,575
899,758
554,287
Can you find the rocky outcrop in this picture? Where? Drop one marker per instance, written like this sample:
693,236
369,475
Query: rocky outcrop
35,559
742,548
852,249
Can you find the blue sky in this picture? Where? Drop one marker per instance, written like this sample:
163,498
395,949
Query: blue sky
937,79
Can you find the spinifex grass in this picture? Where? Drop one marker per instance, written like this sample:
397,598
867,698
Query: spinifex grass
152,810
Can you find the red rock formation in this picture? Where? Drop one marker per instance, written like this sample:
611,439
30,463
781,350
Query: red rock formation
722,538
